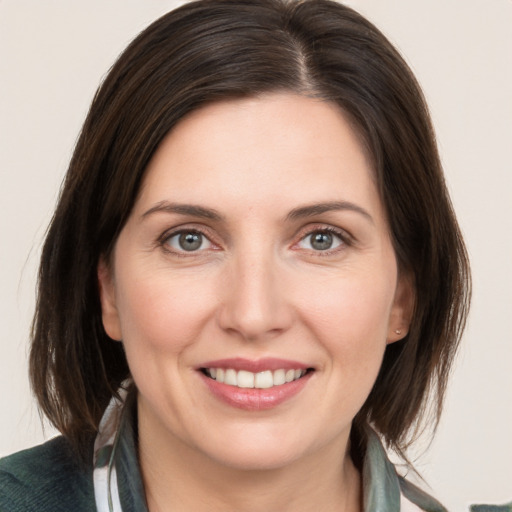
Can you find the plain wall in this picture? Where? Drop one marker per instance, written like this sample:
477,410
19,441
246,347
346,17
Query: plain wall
53,55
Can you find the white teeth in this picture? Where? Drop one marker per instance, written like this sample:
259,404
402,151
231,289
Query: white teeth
230,378
264,380
260,380
245,379
279,377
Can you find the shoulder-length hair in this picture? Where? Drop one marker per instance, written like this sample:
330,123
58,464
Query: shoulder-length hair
208,51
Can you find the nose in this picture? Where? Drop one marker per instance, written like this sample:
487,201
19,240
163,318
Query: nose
255,303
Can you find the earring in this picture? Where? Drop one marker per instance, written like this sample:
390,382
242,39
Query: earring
398,331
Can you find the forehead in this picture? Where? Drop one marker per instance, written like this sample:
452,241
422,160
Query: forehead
277,147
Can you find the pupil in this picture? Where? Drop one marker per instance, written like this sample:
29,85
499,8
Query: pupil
190,241
321,241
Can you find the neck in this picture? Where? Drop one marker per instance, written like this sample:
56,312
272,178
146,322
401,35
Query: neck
178,478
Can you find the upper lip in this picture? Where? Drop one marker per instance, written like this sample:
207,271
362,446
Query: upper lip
255,366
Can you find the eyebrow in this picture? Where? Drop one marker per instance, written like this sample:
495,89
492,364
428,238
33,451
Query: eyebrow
331,206
184,209
295,214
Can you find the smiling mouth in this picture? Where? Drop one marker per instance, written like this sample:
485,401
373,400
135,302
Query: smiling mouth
261,380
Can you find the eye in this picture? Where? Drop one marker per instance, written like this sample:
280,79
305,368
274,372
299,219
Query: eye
188,241
321,240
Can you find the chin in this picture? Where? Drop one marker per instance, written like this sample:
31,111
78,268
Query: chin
260,449
256,458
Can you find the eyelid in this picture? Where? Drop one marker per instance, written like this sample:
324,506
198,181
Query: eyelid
186,228
175,247
346,238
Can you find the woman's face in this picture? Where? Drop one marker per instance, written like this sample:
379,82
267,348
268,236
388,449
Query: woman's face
257,253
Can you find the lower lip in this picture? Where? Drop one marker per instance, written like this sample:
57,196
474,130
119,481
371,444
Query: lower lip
253,399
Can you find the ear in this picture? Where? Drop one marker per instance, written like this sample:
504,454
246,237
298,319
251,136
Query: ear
403,307
109,313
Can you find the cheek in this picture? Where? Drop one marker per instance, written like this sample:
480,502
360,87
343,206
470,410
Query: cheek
352,307
161,312
350,317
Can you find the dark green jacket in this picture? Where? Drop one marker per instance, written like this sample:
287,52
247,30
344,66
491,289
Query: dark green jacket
46,478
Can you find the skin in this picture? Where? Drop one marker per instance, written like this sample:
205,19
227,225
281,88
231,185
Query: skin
256,288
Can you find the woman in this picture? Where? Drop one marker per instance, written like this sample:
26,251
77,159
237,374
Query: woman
255,262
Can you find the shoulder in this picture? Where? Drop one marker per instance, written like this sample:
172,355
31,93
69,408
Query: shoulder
385,489
45,478
414,499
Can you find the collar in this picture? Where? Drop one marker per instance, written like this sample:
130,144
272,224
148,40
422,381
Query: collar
118,483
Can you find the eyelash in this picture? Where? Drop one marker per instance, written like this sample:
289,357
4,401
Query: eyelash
163,241
345,239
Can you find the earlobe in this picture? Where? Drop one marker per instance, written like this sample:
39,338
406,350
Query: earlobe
402,309
109,313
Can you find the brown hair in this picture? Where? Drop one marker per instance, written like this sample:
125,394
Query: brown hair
211,50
